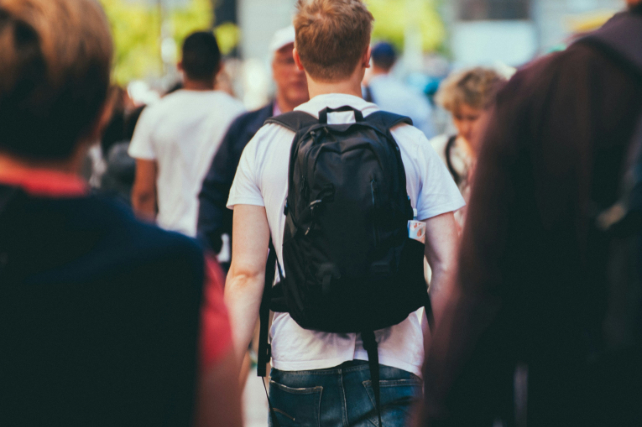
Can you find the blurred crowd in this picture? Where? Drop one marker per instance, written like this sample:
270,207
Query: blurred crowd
141,233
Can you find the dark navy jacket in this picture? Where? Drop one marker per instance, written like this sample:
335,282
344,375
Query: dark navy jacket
99,316
214,219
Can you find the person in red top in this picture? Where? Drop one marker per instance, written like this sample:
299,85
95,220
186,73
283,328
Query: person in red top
103,320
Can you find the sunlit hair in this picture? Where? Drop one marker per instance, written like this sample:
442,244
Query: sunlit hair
55,58
475,87
332,36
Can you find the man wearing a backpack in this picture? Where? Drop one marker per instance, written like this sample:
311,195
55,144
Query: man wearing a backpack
333,186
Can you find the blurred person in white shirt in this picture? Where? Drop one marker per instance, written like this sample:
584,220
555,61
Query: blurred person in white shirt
177,137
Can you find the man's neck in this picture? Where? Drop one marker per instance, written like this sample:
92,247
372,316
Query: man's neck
198,85
351,86
376,71
10,164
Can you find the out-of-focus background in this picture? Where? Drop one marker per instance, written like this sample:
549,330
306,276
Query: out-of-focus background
434,36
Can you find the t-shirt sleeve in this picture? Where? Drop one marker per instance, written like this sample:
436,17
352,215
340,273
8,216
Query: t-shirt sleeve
438,193
246,188
216,333
141,146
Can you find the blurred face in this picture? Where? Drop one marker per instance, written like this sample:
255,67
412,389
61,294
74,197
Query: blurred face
466,121
291,84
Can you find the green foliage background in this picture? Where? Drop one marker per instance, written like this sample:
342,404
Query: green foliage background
393,17
136,28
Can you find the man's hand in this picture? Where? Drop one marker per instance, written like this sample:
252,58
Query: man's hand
144,191
245,280
219,395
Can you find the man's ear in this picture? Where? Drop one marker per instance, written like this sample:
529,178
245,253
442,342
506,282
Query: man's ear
366,57
297,59
180,66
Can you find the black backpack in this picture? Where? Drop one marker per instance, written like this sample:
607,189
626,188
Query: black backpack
350,266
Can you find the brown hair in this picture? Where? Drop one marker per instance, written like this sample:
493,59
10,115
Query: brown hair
55,58
331,36
475,87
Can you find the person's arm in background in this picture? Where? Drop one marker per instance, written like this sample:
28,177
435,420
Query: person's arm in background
219,396
245,280
144,190
141,148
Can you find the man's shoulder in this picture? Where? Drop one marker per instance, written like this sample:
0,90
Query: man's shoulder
140,237
224,98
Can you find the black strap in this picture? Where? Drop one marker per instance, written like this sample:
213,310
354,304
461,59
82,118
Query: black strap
384,121
621,37
370,345
449,149
294,120
265,351
264,314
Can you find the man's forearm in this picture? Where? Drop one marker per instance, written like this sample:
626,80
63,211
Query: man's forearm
441,287
144,205
243,298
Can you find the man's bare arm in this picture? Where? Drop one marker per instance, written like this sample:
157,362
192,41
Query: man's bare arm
219,395
245,281
144,191
441,252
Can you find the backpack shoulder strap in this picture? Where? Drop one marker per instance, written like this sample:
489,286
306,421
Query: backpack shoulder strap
385,121
620,37
294,121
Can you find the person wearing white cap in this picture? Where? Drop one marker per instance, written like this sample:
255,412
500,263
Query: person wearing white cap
214,219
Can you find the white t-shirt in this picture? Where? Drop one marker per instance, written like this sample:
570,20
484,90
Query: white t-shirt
182,133
262,180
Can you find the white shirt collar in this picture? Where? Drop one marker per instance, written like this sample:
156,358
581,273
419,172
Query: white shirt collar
336,100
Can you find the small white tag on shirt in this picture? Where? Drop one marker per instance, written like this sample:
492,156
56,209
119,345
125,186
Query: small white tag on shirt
341,118
417,231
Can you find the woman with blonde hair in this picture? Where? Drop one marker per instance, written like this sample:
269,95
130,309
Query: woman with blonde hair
466,95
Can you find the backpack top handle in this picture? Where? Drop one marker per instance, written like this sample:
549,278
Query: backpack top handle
323,114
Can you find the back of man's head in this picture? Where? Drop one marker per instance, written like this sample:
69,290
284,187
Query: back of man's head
331,37
384,56
201,56
55,58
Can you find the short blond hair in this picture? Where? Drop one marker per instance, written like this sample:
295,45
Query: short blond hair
55,60
332,36
475,87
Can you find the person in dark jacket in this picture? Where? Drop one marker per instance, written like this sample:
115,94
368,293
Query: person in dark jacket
104,320
214,219
531,294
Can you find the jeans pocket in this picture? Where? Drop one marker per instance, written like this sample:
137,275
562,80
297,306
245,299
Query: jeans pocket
300,407
398,399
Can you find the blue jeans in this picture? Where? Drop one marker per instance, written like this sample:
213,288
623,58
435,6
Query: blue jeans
343,396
